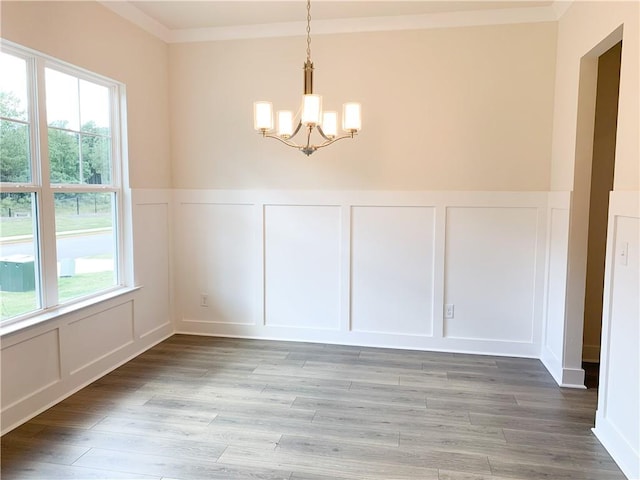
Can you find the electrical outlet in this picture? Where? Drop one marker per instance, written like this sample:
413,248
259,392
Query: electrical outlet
448,310
204,300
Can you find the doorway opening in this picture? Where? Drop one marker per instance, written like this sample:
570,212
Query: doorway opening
602,170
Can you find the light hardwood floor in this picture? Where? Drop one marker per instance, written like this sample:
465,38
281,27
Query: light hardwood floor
210,408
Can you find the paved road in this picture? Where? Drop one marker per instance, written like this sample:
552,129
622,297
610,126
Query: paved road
68,247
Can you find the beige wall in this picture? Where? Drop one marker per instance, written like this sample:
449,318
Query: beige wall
88,35
449,109
582,29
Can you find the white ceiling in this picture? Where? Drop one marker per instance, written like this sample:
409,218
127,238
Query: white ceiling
185,20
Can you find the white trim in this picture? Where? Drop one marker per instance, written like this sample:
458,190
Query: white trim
11,327
556,200
560,7
346,268
375,198
469,18
621,452
366,339
552,364
138,17
572,378
564,377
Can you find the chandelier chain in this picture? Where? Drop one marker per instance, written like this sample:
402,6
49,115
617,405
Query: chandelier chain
308,30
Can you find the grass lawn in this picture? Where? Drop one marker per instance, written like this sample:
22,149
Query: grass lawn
64,223
16,303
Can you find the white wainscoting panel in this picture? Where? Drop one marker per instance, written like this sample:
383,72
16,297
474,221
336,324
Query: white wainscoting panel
217,257
392,263
363,267
623,362
21,375
302,266
557,280
618,414
490,269
152,251
45,362
552,351
94,337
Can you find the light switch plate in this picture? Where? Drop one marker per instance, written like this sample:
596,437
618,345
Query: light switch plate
623,253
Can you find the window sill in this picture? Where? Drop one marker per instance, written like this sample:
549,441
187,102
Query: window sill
56,312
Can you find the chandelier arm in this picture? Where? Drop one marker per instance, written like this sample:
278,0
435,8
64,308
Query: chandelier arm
322,133
286,142
334,140
308,149
295,132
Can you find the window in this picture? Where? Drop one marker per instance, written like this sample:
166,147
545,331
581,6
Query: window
61,197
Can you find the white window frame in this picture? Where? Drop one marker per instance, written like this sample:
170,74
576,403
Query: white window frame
44,208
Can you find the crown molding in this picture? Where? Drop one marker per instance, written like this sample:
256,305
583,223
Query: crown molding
560,7
505,16
136,16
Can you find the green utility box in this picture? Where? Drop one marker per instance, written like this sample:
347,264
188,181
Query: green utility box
17,273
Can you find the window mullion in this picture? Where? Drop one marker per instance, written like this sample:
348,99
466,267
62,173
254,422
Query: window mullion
46,217
85,187
118,149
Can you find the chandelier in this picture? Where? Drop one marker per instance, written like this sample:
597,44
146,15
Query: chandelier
309,117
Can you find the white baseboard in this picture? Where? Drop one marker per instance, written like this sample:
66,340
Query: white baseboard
622,453
552,364
564,377
572,378
360,339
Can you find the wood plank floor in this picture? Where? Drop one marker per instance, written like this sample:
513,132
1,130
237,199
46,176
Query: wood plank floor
210,408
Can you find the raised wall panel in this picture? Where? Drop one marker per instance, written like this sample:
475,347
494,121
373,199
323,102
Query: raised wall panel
365,268
556,280
29,366
618,414
392,257
490,266
217,258
623,360
302,266
92,338
152,251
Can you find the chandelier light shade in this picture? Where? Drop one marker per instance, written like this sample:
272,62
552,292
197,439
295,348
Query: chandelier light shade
310,117
351,120
330,124
285,123
263,115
